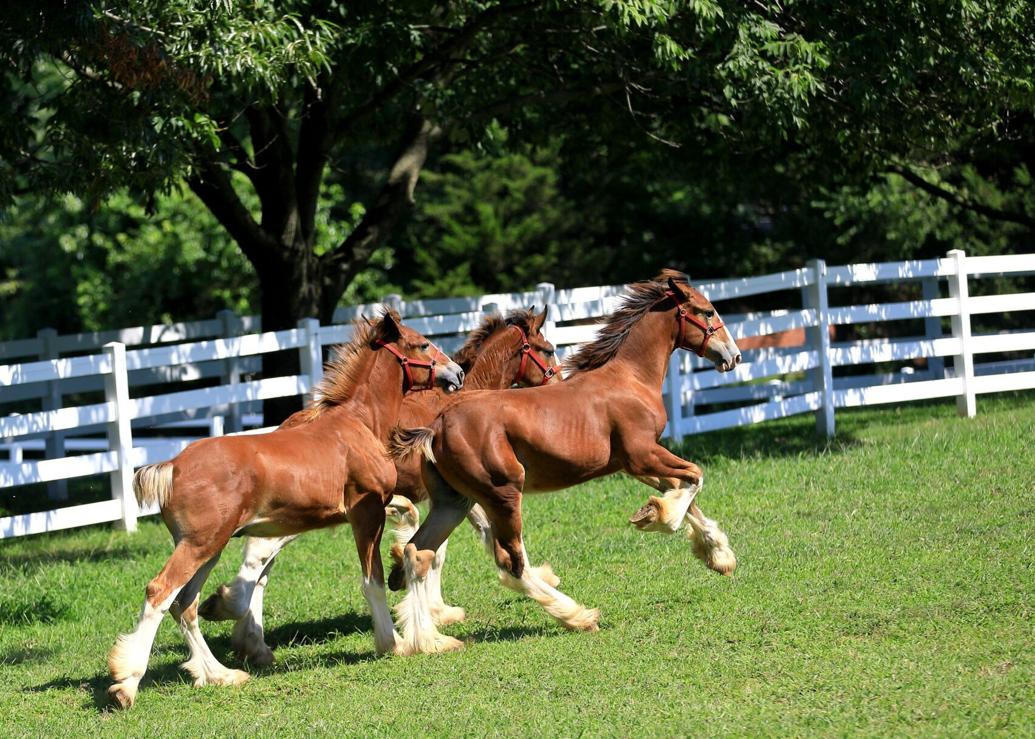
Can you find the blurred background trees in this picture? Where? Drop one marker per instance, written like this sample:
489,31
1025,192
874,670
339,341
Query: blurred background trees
164,159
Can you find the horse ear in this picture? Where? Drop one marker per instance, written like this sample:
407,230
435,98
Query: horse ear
682,292
539,319
388,329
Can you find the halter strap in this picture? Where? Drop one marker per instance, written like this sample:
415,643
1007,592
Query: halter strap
684,318
406,363
526,352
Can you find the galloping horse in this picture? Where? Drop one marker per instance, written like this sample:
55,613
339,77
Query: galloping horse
327,470
605,417
501,352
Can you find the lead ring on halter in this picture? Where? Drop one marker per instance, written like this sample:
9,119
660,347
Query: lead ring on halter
406,363
684,318
526,352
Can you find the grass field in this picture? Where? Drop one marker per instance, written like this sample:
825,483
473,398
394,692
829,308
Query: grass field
885,586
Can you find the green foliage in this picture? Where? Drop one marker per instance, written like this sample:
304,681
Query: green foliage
492,222
883,589
74,269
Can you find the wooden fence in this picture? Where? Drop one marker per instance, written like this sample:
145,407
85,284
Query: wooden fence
771,382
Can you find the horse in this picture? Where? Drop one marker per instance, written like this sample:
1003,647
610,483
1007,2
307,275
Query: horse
606,416
502,352
330,469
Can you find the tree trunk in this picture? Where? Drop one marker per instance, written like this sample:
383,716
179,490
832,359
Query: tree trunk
289,291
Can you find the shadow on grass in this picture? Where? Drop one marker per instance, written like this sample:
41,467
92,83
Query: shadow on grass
28,563
793,437
300,633
97,686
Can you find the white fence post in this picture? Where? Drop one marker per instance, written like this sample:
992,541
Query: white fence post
547,291
55,444
232,326
674,401
820,340
311,355
932,326
963,363
120,435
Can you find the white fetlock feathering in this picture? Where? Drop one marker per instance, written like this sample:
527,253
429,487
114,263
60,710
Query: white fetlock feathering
419,634
710,544
127,661
202,664
566,611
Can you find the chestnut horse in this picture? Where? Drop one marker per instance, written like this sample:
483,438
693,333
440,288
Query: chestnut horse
328,470
605,417
501,352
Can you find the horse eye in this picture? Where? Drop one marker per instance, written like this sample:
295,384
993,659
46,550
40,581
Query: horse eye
425,346
548,352
709,314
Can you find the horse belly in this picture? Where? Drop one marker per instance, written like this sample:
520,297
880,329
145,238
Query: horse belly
549,469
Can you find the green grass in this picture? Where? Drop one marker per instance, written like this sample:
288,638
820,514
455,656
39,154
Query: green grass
885,587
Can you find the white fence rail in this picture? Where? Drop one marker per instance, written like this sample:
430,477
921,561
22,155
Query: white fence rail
772,382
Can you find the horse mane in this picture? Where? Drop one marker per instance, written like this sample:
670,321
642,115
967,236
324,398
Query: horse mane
468,353
340,373
641,297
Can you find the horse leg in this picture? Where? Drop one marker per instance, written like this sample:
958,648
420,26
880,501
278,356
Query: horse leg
127,661
504,512
477,518
405,519
415,610
242,599
202,664
443,613
368,524
660,468
679,480
710,543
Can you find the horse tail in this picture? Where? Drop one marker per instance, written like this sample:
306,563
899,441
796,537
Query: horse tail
404,442
152,484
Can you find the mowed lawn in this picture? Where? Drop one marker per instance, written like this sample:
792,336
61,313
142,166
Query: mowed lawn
885,587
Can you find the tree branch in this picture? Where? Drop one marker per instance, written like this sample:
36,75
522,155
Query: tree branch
213,187
442,54
561,96
339,266
949,196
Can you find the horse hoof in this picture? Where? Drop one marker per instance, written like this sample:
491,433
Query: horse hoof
723,561
230,677
588,620
257,656
214,608
396,578
647,515
122,696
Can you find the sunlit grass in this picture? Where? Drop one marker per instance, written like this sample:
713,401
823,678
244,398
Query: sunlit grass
885,587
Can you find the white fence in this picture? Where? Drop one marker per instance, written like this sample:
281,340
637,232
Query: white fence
771,382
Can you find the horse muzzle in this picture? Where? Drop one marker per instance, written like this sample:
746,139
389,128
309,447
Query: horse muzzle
450,377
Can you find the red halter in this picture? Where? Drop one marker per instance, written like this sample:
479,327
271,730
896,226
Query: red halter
684,318
406,363
526,352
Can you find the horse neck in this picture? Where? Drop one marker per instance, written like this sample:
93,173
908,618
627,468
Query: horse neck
647,348
378,395
492,369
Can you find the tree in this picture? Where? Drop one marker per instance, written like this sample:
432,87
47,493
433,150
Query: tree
285,100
